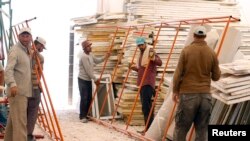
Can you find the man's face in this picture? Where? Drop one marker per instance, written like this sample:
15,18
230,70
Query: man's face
25,39
87,48
141,47
40,47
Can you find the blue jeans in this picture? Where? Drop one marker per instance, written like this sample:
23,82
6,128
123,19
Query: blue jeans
85,88
3,114
193,108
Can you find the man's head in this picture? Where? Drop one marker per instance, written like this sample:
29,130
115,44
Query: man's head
86,46
25,37
141,43
40,43
200,32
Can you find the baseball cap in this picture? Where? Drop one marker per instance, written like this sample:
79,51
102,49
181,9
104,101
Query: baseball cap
140,40
86,43
25,30
41,40
200,30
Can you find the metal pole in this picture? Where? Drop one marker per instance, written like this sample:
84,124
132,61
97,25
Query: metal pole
10,30
71,65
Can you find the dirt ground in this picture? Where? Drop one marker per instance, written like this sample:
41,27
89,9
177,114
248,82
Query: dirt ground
74,130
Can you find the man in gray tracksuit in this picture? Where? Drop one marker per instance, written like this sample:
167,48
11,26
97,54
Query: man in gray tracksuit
18,80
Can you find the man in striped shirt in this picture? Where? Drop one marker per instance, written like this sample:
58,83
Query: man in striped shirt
34,101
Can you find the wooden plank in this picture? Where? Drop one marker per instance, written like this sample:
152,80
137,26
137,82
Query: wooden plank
245,117
231,90
233,101
233,79
238,67
230,97
242,92
223,113
234,115
216,112
241,112
224,120
234,84
229,46
231,113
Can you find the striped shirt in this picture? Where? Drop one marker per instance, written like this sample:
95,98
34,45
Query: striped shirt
35,77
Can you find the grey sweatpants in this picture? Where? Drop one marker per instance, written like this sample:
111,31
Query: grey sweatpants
32,110
193,108
16,129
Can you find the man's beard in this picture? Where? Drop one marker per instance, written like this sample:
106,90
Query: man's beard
142,49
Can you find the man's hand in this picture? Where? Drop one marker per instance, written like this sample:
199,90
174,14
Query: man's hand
175,97
133,67
152,54
13,91
97,82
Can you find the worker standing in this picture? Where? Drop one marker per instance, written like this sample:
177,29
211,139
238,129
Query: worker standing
147,55
86,74
34,101
197,65
19,86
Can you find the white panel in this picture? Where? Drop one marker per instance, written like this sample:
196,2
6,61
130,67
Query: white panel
230,45
110,6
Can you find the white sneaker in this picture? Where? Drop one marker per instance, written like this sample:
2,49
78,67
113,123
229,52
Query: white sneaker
84,120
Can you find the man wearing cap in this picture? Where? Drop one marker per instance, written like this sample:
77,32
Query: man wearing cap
146,57
86,73
34,101
197,66
19,86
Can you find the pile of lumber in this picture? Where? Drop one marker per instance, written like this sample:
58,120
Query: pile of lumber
244,50
102,39
126,105
233,114
234,86
161,10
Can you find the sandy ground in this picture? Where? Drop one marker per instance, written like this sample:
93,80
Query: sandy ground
74,130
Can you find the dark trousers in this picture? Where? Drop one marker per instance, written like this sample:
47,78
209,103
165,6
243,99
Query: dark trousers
146,94
32,110
193,108
85,88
